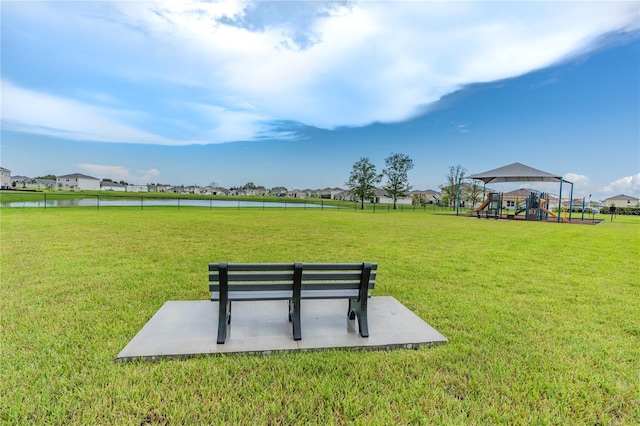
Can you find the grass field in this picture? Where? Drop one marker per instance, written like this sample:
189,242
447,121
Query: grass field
543,319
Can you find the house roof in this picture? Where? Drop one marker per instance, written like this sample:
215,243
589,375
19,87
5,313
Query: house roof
77,176
622,196
45,181
516,172
113,184
522,192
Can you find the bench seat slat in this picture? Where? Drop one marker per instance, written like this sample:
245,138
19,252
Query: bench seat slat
288,276
255,295
284,286
271,276
329,294
285,295
324,286
255,267
336,266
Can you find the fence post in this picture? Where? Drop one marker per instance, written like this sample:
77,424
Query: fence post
141,202
45,200
98,203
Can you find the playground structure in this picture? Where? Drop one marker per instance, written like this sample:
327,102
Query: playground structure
537,206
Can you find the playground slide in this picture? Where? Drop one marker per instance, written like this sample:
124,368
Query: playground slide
547,211
482,206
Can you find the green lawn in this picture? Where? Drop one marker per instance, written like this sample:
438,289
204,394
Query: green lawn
543,319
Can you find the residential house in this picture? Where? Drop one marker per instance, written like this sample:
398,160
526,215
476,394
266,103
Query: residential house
330,193
137,188
5,178
297,193
279,191
112,186
41,184
158,188
428,196
342,195
622,200
78,182
518,197
20,182
24,182
258,191
383,197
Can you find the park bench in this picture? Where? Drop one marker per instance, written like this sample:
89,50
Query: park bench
229,282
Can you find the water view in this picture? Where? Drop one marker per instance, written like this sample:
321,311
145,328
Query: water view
148,202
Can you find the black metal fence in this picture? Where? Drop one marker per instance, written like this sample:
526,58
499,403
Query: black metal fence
45,200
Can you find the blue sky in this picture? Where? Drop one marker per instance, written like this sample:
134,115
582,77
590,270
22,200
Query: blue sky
293,93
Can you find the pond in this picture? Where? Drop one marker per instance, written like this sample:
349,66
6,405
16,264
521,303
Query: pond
148,202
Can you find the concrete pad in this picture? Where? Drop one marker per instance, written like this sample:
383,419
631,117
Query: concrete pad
187,328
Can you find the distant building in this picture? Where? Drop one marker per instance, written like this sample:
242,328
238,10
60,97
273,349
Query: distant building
137,188
78,182
383,197
622,201
112,186
428,196
5,178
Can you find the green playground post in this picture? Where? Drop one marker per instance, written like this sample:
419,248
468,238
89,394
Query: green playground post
560,201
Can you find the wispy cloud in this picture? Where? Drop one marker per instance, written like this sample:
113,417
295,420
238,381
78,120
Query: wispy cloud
244,66
463,128
118,173
41,113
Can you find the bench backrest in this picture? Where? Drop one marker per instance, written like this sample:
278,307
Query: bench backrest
281,276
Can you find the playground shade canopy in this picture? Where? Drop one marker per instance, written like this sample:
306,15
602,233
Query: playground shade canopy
516,172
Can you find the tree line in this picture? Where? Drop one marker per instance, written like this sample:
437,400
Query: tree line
364,179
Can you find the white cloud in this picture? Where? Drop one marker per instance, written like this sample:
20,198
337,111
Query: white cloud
382,61
34,112
118,173
629,185
578,179
326,65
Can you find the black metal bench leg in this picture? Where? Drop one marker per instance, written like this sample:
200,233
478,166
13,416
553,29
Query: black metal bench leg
351,313
359,306
224,318
363,322
295,319
358,309
295,301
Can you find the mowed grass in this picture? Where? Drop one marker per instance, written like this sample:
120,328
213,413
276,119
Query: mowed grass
543,319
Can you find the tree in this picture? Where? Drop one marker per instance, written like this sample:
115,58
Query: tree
397,186
249,185
450,189
473,193
49,177
363,179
